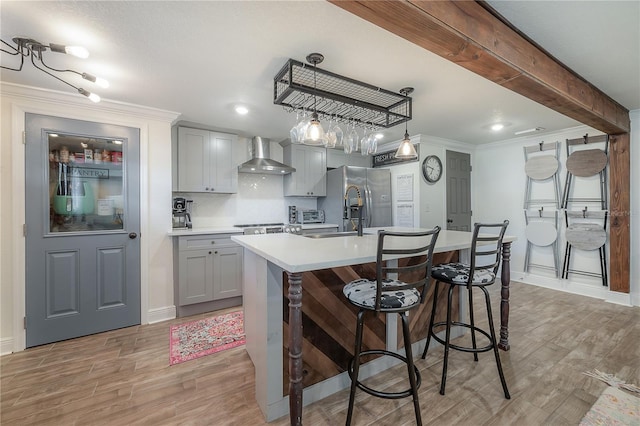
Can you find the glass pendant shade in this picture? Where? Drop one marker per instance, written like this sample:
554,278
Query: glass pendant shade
406,150
314,133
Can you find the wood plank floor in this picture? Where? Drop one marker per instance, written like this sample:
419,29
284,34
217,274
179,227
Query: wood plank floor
123,377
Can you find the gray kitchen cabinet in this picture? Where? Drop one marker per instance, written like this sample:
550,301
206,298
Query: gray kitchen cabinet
209,273
310,162
205,162
195,282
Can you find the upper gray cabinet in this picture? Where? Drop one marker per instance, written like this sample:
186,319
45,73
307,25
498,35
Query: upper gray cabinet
204,161
310,162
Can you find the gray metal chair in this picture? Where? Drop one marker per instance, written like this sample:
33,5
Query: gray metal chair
486,250
388,295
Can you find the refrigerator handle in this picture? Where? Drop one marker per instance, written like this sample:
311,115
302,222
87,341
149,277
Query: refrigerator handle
369,219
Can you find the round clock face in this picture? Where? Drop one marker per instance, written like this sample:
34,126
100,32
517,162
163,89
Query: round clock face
432,168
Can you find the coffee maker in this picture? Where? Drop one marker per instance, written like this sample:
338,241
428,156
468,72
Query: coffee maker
182,213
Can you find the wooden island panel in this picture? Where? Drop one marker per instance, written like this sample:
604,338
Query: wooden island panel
419,317
329,320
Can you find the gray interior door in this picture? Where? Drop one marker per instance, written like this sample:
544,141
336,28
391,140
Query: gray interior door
458,191
82,228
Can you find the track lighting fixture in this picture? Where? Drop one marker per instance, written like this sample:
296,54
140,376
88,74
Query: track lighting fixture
33,49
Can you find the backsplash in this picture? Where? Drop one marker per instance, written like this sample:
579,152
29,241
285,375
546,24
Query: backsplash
259,200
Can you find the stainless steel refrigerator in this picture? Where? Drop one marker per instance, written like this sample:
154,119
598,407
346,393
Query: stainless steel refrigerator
375,189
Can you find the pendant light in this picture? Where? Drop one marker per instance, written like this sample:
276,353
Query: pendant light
406,150
314,133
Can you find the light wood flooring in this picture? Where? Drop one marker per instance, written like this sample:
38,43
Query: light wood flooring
123,377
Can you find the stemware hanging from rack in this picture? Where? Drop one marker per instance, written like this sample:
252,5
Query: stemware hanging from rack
351,145
334,133
364,142
293,133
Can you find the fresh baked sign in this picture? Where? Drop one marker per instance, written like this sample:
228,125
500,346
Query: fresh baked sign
389,157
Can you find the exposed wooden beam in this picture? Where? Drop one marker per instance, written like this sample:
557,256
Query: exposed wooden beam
620,211
468,34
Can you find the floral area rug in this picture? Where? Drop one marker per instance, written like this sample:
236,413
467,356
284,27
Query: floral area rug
196,339
613,406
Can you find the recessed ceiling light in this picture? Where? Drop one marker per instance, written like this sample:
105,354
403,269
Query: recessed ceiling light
496,127
242,110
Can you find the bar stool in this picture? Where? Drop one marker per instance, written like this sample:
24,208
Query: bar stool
389,295
486,249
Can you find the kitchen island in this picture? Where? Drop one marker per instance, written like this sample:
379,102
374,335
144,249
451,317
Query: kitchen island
277,268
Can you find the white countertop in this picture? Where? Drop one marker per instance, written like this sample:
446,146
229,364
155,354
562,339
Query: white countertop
179,232
204,231
297,253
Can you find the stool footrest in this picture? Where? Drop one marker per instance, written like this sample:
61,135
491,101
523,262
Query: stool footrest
458,347
380,394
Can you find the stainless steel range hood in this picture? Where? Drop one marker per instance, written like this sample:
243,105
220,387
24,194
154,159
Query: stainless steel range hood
260,162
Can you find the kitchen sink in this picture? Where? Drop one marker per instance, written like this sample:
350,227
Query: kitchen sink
332,234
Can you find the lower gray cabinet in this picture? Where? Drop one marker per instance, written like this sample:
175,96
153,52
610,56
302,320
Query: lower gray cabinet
195,282
209,269
227,272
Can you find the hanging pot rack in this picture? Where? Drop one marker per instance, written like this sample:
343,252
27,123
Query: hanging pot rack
337,97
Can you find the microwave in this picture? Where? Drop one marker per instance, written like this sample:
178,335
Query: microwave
310,216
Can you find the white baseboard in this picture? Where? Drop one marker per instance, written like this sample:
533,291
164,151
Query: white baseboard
154,315
6,345
568,286
161,314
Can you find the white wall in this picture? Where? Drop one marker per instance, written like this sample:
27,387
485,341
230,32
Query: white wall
429,200
155,193
498,175
259,198
433,196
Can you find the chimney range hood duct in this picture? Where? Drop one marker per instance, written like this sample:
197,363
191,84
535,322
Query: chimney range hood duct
260,162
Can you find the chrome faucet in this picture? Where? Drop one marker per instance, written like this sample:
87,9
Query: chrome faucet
348,208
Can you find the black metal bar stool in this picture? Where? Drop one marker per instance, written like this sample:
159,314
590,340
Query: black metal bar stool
388,295
486,248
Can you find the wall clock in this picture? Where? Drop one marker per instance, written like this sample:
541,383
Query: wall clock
432,168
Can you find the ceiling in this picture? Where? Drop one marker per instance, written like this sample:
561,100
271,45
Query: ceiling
202,58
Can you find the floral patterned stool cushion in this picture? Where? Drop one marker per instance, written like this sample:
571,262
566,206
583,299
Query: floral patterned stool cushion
362,293
458,273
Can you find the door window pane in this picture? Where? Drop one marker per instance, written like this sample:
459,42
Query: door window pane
86,185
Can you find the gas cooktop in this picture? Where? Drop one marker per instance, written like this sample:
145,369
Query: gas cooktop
270,228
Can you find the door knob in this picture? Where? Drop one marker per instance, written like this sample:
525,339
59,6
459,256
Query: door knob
449,220
132,235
